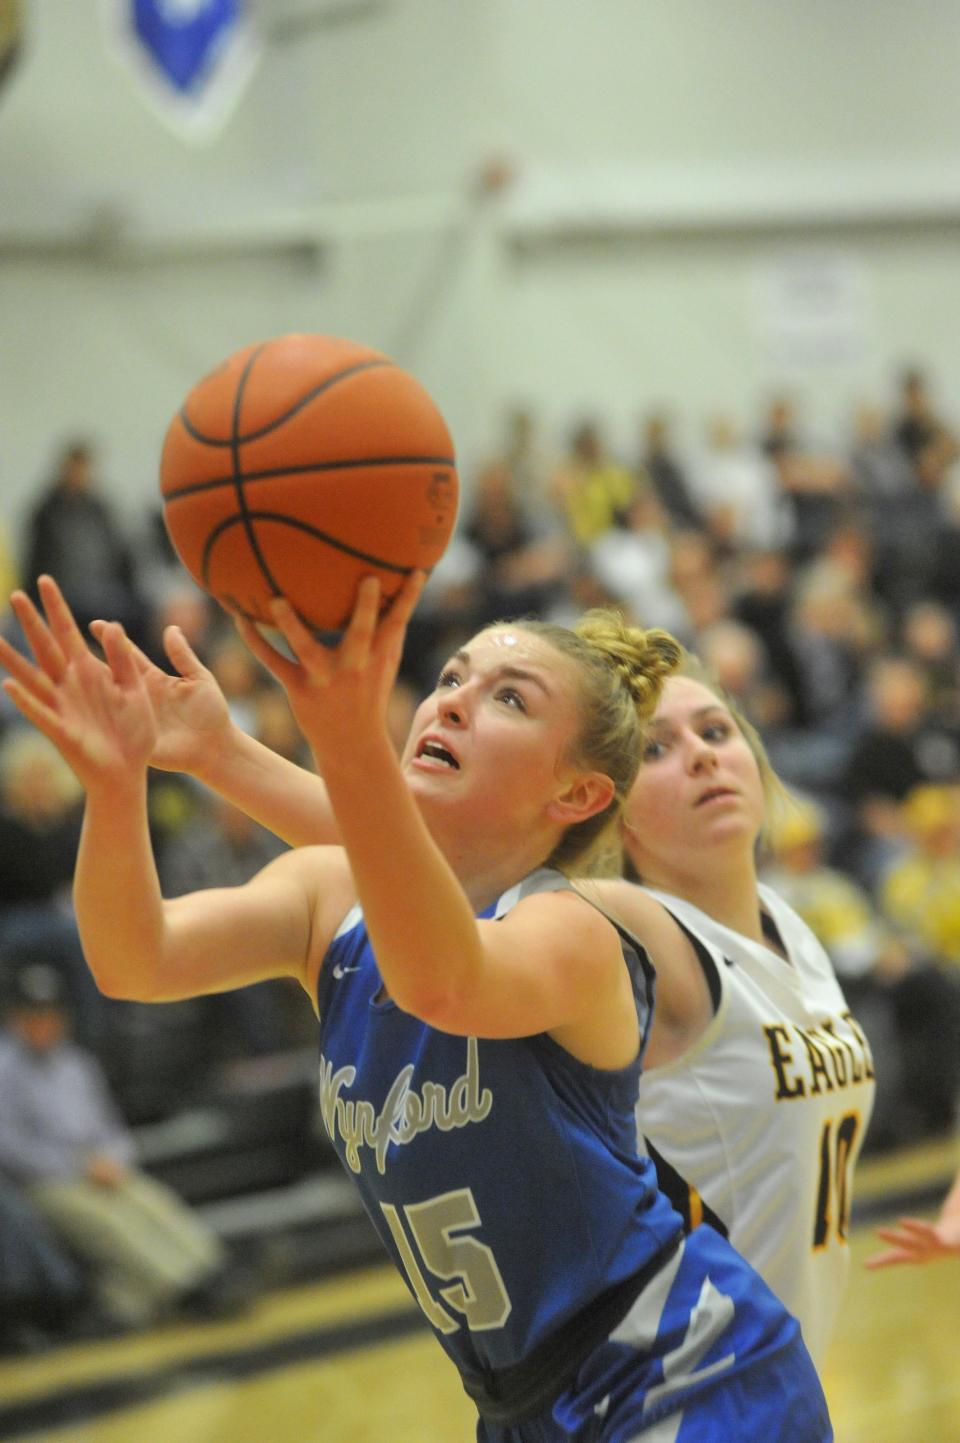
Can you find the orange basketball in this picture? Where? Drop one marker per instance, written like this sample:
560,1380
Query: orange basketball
300,465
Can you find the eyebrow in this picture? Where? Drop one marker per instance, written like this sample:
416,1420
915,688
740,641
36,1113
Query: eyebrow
515,673
701,711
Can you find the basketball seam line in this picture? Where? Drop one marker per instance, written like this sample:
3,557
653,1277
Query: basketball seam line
297,525
352,464
235,445
278,420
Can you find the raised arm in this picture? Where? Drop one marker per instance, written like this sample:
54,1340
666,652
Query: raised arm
553,964
138,945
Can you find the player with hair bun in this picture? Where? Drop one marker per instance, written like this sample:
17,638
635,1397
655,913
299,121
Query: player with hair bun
481,1023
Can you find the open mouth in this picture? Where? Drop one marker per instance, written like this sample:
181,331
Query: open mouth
714,794
437,753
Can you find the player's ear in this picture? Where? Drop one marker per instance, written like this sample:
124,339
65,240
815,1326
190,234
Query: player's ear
583,795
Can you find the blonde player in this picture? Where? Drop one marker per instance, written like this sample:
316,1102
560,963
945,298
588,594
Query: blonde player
481,1026
758,1084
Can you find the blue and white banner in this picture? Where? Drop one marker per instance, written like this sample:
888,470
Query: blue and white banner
191,59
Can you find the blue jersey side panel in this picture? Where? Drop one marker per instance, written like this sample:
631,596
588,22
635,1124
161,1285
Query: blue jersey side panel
502,1175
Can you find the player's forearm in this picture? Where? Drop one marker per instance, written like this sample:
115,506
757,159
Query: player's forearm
420,922
116,892
288,800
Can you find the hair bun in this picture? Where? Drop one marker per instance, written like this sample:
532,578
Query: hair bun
642,659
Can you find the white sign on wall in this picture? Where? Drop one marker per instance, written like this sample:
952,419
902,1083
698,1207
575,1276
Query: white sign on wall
812,307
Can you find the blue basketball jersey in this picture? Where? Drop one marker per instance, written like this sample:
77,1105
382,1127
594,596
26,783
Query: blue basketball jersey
502,1175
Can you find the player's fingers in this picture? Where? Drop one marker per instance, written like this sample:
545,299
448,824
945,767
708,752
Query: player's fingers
182,654
28,675
119,654
354,649
286,672
314,658
404,603
142,661
42,643
61,618
42,717
889,1259
917,1228
891,1234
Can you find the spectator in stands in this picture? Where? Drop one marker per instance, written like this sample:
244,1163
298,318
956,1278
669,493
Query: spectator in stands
918,424
8,568
275,726
63,1141
897,746
526,460
762,588
884,488
812,484
520,570
240,678
659,463
698,578
879,470
589,487
830,633
778,432
72,534
942,570
920,893
182,603
634,563
736,656
929,636
41,1288
737,490
39,831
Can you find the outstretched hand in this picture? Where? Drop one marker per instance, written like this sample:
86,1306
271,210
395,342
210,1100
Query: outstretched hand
338,693
97,713
912,1240
191,711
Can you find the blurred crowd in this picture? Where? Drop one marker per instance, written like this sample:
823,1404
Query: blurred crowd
820,584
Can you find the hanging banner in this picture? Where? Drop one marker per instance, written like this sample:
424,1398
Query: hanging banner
11,36
191,59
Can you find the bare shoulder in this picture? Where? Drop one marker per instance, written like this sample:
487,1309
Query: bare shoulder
635,909
684,1006
568,923
575,953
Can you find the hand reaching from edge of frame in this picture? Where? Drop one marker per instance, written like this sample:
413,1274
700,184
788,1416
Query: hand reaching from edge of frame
336,693
913,1240
97,713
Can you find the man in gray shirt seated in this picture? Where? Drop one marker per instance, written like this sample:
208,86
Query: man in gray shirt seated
63,1141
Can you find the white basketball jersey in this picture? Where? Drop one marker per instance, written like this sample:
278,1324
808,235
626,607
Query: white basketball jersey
757,1127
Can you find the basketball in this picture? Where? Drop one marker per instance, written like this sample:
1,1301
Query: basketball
300,465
